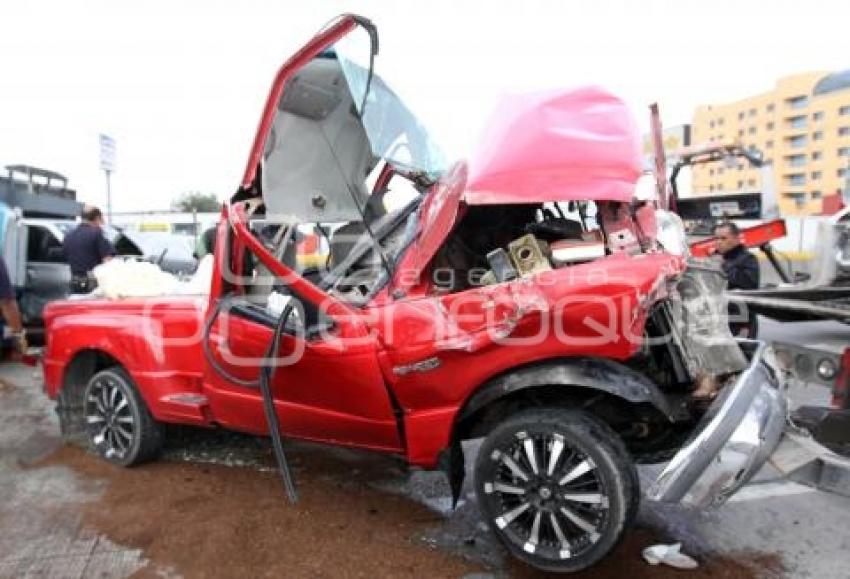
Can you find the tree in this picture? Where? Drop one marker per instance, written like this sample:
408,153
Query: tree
197,201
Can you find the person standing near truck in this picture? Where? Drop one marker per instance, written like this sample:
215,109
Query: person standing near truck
10,311
742,272
85,248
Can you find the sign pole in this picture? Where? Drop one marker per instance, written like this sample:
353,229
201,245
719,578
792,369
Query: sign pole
107,163
108,198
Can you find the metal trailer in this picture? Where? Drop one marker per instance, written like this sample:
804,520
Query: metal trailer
809,456
818,454
30,192
825,295
39,193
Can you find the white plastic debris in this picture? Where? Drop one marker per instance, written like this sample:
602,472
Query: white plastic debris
118,278
122,279
669,555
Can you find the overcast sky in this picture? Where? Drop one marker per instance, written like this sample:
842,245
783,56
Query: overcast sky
180,85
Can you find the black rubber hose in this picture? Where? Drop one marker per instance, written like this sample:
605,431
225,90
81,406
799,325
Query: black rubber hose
266,374
208,353
267,368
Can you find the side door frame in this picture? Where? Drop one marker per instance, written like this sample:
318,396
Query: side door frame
335,391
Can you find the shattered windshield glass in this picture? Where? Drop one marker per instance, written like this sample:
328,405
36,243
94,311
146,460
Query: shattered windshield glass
394,132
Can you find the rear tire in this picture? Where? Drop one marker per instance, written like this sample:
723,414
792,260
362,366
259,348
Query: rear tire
119,427
557,487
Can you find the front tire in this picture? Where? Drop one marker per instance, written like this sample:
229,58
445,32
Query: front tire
119,426
556,487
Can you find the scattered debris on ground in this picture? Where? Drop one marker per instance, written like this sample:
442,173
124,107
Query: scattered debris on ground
669,555
626,561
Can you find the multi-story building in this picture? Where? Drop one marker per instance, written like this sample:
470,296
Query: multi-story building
802,128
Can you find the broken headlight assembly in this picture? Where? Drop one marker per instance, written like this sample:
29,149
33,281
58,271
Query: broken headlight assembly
671,233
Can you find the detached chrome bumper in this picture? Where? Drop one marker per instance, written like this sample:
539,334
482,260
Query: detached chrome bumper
733,440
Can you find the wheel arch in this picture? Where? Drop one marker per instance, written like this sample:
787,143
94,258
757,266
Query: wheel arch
84,364
589,383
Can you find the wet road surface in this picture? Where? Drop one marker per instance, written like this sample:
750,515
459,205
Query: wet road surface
214,507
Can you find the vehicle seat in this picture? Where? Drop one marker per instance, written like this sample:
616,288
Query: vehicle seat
284,248
43,253
344,239
353,239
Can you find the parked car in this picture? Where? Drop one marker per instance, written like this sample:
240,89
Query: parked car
173,252
523,299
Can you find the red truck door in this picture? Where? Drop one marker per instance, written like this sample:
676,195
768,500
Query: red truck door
328,386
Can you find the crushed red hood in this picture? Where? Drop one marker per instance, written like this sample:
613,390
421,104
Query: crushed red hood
562,145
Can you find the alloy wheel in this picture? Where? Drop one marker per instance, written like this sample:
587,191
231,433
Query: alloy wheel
110,422
549,498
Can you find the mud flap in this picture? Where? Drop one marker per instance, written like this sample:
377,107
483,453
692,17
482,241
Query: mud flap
69,409
451,461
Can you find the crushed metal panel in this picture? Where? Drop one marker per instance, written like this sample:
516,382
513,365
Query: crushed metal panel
490,315
698,309
735,437
561,145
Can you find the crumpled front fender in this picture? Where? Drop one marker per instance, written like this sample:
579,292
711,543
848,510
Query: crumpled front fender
597,374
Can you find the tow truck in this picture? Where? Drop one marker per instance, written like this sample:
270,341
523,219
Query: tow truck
823,296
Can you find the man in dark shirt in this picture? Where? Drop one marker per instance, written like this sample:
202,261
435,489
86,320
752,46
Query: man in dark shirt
742,271
85,247
10,311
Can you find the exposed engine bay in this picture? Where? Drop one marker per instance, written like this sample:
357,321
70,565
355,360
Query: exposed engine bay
499,243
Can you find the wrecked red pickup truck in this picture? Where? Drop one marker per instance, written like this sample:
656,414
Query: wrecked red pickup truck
525,298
